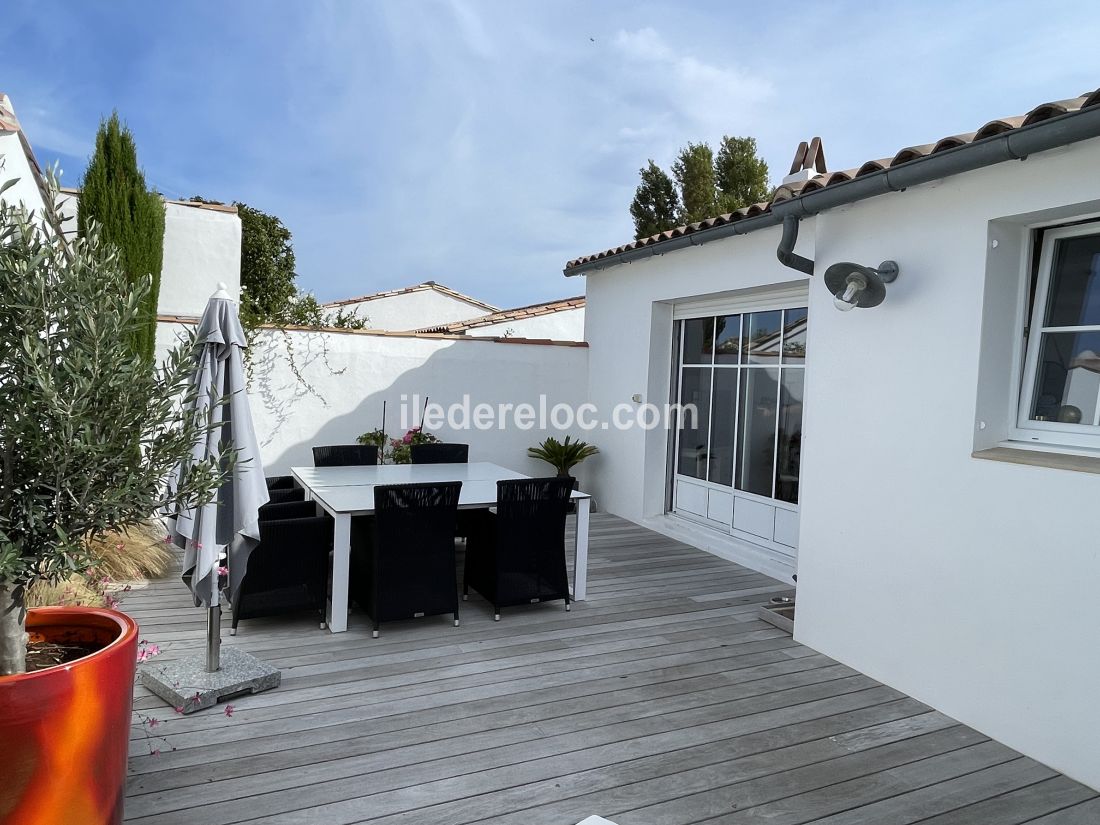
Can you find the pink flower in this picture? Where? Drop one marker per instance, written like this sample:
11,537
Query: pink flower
152,722
198,545
178,709
228,710
408,437
120,546
154,752
223,571
167,539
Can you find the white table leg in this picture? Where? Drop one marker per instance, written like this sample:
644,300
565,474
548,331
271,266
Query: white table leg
341,560
580,561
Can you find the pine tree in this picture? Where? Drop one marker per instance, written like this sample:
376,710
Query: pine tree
656,205
130,217
694,173
740,175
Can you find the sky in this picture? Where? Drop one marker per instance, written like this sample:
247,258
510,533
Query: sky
484,144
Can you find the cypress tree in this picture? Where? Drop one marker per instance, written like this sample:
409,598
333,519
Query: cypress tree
656,203
130,216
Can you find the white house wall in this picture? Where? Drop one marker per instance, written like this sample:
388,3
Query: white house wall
967,583
414,310
202,248
351,374
628,327
14,165
566,325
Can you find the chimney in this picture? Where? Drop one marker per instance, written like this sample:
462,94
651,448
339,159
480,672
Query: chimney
809,162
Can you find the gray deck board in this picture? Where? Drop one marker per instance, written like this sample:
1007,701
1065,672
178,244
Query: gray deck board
662,699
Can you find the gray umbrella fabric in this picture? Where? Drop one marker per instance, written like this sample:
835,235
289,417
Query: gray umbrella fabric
229,522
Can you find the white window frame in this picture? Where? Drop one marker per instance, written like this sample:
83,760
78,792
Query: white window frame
787,300
1050,433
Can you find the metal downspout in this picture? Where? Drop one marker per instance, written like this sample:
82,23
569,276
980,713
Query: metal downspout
785,252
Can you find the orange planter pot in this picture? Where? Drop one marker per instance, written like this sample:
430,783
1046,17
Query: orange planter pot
64,732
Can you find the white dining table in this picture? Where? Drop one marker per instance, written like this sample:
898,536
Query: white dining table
344,492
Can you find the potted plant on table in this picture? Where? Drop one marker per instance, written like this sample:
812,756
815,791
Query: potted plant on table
90,431
400,452
563,456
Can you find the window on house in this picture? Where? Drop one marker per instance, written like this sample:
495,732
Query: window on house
1060,391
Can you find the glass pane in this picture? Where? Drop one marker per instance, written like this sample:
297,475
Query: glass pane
1075,284
789,444
1067,378
723,413
698,340
694,389
728,338
765,333
756,435
794,336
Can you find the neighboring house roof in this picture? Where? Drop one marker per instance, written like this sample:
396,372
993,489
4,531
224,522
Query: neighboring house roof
214,207
505,315
791,191
384,333
427,285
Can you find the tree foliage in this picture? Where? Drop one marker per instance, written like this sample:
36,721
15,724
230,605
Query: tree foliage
90,430
656,202
130,216
740,175
705,185
694,173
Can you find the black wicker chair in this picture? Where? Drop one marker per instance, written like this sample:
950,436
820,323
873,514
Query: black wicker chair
403,558
288,570
345,455
280,482
281,495
518,554
439,453
281,510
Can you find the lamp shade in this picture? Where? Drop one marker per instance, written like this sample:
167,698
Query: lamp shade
873,291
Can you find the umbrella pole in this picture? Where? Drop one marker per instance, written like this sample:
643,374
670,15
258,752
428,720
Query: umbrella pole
213,626
213,638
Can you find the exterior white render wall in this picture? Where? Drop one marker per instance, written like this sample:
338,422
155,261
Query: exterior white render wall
352,374
414,310
565,325
967,583
628,327
202,248
14,165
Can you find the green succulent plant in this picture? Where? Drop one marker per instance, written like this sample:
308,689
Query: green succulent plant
562,455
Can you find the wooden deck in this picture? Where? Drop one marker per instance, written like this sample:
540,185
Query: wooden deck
660,700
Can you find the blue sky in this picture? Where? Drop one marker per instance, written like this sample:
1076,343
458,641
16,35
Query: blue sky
483,144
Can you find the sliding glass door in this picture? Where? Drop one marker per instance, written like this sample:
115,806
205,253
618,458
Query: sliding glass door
737,458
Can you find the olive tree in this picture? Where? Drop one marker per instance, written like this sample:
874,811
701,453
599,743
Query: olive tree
90,435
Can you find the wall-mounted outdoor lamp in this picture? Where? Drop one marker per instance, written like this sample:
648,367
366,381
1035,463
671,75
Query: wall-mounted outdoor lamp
854,286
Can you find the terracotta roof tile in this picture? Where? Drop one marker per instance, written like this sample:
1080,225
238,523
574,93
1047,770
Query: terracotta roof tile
503,316
432,285
784,192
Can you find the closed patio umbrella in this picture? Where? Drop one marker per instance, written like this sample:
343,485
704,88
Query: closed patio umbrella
229,522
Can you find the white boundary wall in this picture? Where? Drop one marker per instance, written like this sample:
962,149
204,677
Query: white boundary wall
352,373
